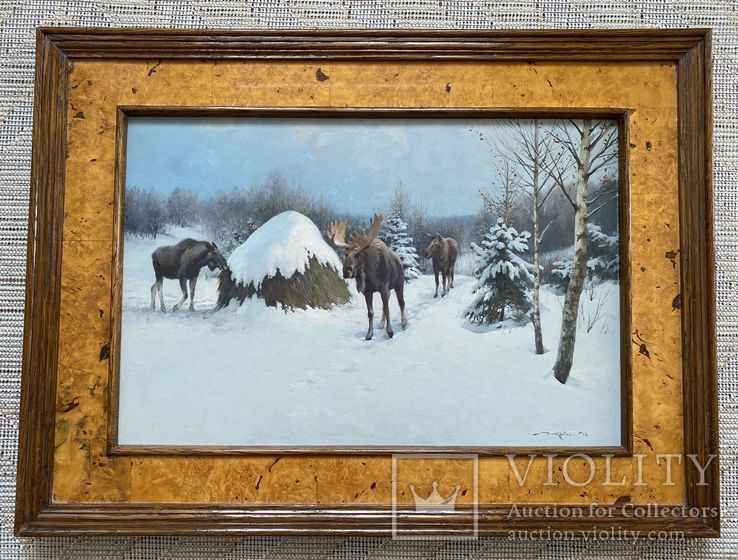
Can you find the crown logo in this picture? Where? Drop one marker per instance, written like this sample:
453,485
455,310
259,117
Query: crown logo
434,502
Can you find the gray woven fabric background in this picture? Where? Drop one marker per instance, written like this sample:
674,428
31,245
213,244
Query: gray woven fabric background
18,19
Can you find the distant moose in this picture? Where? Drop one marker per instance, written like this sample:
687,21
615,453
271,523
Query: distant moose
376,268
183,262
443,251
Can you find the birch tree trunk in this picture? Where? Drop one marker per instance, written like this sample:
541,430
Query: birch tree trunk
565,356
536,316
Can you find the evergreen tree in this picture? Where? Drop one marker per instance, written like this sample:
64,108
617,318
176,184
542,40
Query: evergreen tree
603,262
604,254
394,234
504,277
561,274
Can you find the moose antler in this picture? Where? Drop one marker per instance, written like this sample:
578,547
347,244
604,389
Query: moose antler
364,239
337,235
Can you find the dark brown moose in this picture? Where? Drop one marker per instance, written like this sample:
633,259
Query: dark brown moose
183,262
375,267
443,251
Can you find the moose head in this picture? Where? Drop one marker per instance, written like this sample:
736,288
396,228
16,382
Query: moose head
435,247
357,245
213,258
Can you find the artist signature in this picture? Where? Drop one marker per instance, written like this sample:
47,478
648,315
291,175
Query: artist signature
562,435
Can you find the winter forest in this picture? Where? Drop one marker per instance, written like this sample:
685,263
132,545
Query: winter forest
255,239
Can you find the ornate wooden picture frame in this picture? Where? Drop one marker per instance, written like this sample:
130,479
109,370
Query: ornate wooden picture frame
74,476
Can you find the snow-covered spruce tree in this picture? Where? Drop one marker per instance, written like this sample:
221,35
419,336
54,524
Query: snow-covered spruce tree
504,277
603,262
394,234
561,274
604,254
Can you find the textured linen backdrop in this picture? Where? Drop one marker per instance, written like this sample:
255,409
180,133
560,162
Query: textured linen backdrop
18,19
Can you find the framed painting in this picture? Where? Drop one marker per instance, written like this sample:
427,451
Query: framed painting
421,284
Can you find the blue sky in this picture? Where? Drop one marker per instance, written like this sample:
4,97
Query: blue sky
353,164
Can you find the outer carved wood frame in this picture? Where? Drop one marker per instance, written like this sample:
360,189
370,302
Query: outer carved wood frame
57,49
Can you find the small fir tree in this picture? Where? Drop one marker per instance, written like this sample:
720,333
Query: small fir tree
394,234
504,277
604,254
603,260
561,274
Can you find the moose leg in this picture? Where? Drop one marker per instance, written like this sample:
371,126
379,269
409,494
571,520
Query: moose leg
400,293
161,294
154,289
445,282
158,287
193,283
183,287
452,278
436,273
384,320
369,296
385,309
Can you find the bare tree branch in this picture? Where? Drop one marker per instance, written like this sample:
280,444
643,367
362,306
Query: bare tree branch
594,211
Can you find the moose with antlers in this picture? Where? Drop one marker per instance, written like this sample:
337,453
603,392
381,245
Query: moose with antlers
376,268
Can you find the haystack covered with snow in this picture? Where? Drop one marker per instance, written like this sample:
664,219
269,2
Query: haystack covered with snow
286,262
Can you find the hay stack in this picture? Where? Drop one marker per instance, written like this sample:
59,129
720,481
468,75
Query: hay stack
285,262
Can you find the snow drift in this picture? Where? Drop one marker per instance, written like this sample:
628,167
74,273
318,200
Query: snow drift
286,262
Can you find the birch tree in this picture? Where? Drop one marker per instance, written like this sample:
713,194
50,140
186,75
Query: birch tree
503,203
592,147
527,150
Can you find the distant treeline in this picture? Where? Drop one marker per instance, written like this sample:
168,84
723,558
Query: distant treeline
229,217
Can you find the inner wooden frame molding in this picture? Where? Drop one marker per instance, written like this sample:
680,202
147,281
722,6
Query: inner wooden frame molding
626,406
37,513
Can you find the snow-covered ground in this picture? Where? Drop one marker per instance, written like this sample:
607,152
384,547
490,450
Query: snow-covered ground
254,375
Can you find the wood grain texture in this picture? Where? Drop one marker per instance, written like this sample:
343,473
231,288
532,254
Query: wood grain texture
593,45
698,269
338,521
43,276
268,498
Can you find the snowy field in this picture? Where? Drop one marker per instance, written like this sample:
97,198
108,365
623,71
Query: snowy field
254,375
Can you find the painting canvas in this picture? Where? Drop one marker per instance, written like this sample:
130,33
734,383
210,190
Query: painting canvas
370,282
